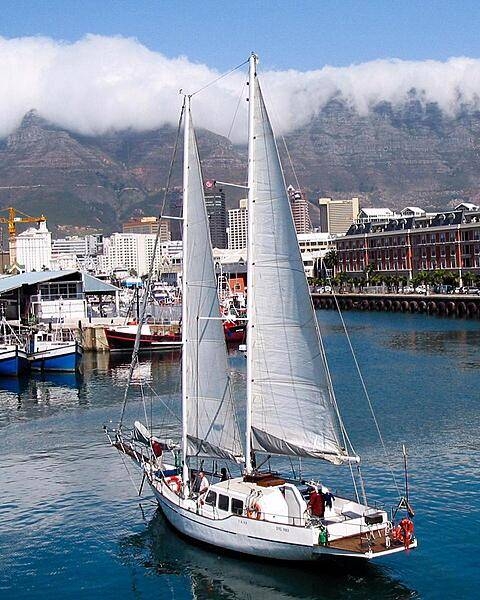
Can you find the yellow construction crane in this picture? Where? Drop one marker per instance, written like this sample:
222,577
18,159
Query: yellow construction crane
11,220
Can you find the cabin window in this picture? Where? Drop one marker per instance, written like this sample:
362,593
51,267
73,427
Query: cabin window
223,502
211,498
237,506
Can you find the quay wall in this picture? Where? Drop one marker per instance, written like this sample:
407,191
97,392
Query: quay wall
94,339
432,304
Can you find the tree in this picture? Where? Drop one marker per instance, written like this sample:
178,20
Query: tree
330,260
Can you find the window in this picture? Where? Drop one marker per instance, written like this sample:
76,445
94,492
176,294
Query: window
237,506
223,502
211,498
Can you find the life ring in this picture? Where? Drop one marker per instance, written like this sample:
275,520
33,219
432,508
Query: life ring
254,511
174,483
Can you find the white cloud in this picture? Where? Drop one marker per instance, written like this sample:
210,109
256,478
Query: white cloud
103,83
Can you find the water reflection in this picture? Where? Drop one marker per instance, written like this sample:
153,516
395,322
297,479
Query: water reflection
457,342
162,551
39,395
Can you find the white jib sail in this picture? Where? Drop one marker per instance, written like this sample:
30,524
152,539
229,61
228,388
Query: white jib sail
291,408
210,417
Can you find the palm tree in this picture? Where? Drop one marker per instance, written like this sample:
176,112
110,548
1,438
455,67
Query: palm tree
330,260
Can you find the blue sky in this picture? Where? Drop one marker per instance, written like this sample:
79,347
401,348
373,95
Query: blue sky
304,35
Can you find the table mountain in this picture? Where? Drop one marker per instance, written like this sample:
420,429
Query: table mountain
393,156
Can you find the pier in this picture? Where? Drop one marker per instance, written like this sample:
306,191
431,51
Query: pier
457,305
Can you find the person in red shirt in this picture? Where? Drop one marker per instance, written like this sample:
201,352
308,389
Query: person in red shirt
316,503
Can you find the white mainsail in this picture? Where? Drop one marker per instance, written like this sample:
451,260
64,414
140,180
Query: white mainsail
292,410
209,419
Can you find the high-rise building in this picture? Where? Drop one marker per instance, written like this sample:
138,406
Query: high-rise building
149,225
33,248
238,226
336,216
299,205
134,251
217,218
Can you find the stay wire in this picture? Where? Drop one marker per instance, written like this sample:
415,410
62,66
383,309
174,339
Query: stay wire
219,78
147,287
365,391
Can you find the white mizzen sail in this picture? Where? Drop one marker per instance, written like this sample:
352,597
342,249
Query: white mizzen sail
209,419
292,411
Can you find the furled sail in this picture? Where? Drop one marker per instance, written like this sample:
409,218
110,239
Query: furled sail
210,421
291,407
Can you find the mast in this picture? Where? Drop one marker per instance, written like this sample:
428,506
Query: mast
186,143
250,266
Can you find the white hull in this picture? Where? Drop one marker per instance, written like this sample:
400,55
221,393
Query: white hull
244,535
237,534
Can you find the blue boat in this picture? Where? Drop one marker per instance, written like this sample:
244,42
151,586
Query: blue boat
13,360
13,355
51,352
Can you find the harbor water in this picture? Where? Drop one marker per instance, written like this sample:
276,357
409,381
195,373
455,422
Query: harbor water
73,526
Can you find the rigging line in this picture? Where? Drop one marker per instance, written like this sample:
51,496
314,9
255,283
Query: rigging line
219,77
240,96
147,286
167,408
365,391
128,473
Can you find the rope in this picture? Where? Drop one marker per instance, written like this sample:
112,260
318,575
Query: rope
128,473
240,96
148,282
364,387
218,78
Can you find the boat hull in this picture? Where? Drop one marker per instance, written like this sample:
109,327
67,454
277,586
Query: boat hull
13,361
234,334
262,539
64,358
121,341
238,534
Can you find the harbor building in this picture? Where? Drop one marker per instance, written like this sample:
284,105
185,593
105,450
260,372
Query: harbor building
47,296
238,226
405,245
32,248
149,225
299,205
336,216
217,218
313,247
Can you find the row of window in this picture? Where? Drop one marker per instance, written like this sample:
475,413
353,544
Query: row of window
222,502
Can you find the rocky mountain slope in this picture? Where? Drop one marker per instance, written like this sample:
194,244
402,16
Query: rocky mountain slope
412,155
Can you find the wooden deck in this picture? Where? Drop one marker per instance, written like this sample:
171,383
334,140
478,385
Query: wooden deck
374,541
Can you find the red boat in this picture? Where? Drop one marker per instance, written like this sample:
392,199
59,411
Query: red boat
235,333
123,338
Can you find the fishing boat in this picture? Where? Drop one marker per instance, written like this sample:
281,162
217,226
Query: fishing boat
122,338
55,350
291,410
13,354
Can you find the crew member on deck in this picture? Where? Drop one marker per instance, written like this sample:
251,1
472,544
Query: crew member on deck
316,503
157,452
201,484
223,474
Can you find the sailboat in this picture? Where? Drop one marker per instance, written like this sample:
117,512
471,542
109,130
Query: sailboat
291,409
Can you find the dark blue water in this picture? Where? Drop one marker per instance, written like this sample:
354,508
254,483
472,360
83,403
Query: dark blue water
71,525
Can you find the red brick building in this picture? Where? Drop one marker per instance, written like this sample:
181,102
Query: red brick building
405,245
